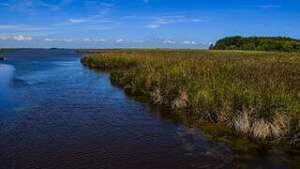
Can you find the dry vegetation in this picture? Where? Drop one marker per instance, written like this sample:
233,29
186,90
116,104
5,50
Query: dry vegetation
255,93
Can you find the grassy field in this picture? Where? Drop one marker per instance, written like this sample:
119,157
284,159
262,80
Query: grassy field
256,94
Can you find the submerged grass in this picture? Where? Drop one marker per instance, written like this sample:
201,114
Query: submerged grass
257,94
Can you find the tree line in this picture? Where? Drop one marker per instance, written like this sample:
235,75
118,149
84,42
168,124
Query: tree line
257,43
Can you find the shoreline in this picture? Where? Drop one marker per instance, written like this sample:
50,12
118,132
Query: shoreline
213,131
125,72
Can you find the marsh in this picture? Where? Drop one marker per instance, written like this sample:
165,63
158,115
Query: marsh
56,113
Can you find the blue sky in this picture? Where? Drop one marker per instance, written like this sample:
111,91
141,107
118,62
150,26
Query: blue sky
142,23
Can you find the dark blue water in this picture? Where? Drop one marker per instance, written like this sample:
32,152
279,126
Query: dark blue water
57,114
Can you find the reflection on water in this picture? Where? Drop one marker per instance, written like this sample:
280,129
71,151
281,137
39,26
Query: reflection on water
57,114
6,73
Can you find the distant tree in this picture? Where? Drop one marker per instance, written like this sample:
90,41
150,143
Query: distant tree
211,46
258,43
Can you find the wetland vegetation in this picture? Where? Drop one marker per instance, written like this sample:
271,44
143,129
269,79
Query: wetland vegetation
254,94
1,55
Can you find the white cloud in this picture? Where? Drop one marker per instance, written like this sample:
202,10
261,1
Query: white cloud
76,21
93,40
187,42
169,41
16,37
22,38
153,26
120,40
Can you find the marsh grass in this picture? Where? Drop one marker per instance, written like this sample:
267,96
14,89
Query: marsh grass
1,55
255,93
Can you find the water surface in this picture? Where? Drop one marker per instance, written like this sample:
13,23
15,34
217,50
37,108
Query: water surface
55,113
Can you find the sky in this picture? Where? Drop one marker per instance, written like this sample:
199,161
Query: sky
142,23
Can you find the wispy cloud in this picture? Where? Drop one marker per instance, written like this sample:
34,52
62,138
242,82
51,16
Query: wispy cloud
268,6
75,21
4,4
90,19
121,40
157,22
35,6
22,28
59,40
93,40
49,40
153,26
74,40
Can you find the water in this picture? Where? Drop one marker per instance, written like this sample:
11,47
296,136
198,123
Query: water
55,113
